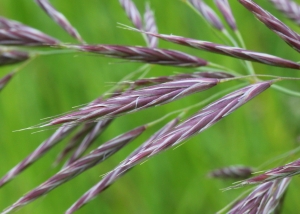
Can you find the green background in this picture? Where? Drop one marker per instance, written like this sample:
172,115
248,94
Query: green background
174,181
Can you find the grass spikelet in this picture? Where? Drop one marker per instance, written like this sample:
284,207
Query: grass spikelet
15,33
231,172
289,8
59,18
132,101
150,26
283,31
8,57
263,199
132,13
144,54
208,13
235,52
225,9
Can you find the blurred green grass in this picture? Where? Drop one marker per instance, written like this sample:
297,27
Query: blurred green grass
174,181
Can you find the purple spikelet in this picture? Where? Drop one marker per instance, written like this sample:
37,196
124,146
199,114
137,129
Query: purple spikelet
224,7
235,52
8,57
289,8
135,100
232,172
208,13
15,33
150,26
264,199
283,31
144,54
132,13
59,18
285,171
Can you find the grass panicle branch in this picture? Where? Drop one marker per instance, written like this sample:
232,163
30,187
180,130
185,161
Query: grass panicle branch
132,101
235,52
95,157
123,167
202,120
44,147
139,90
144,54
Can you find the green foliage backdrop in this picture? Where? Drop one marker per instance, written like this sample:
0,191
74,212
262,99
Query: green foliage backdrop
174,181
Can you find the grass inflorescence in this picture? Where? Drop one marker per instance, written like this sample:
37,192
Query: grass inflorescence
144,90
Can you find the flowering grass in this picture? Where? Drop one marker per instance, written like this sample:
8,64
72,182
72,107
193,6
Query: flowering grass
70,72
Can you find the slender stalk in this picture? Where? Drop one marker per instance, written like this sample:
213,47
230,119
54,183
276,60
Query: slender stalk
286,91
